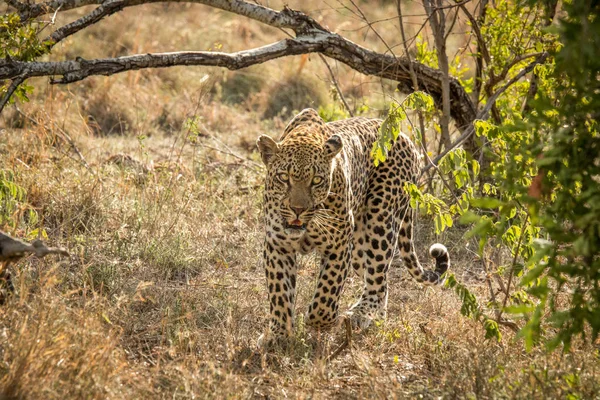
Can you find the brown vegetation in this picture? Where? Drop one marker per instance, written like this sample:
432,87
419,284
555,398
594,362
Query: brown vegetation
164,294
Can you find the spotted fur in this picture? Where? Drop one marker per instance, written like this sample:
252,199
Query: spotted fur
323,193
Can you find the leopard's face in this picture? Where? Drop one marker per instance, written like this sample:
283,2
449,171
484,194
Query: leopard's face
298,181
298,188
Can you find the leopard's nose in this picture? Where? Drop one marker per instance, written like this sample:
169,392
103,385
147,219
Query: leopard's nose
298,210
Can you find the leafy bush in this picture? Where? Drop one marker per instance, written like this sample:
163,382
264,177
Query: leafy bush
564,268
542,203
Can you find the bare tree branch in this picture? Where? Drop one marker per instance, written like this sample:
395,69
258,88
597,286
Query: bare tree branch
254,11
311,37
438,27
107,8
78,69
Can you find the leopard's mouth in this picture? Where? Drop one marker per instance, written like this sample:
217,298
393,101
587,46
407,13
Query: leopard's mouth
295,225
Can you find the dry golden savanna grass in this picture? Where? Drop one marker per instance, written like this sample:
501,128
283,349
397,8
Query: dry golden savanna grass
151,180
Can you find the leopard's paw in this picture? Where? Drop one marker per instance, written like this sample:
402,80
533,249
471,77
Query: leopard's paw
359,320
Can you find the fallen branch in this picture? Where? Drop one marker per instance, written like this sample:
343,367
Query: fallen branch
12,249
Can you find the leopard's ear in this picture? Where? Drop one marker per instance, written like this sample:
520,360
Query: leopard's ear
267,147
333,146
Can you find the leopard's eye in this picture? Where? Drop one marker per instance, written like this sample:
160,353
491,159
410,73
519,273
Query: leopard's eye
316,180
283,177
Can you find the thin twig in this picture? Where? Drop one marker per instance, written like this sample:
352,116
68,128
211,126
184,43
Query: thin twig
551,8
347,341
364,17
488,280
229,153
435,167
449,30
475,26
333,78
512,270
53,19
482,52
498,78
458,4
390,49
337,86
413,76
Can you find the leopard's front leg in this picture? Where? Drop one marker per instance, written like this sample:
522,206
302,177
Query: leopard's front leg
280,271
335,264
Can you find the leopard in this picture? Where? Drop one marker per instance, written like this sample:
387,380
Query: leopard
323,193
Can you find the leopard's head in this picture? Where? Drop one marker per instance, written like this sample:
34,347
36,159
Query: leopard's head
299,174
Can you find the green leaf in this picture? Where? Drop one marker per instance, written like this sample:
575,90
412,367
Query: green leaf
531,331
519,309
419,101
533,274
475,168
469,217
492,331
482,228
482,127
487,202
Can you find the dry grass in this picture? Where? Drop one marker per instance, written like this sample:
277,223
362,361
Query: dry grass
164,295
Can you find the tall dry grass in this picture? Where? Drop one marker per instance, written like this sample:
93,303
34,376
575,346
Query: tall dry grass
160,207
164,293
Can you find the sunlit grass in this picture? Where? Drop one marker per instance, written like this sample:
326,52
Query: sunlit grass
164,294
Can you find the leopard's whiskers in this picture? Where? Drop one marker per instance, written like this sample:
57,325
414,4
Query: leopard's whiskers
322,228
327,213
325,223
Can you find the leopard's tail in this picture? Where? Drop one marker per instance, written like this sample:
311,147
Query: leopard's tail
442,263
425,276
405,251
